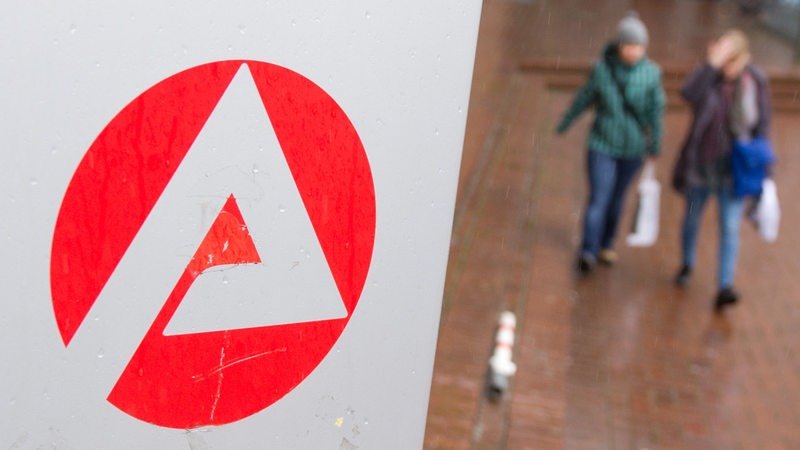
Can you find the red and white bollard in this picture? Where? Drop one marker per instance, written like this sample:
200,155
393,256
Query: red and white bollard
501,366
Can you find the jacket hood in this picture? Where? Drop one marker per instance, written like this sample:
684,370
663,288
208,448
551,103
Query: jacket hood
610,51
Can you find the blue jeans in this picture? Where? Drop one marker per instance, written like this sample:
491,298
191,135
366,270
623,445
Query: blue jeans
730,217
609,179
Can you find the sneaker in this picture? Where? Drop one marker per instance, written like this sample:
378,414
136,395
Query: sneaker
726,297
683,276
586,263
608,256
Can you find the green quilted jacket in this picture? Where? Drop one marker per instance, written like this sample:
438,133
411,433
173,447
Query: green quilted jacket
619,131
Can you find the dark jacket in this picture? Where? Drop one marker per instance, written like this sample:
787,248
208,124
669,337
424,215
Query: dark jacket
703,91
615,130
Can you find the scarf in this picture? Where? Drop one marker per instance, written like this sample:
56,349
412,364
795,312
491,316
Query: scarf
743,113
735,118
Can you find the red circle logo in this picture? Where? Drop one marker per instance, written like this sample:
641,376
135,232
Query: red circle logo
216,377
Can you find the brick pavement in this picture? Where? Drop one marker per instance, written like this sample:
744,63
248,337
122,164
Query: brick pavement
622,359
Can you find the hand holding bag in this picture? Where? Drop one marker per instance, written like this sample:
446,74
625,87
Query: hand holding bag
645,228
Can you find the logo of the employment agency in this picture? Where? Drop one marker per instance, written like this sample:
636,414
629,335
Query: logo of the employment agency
256,180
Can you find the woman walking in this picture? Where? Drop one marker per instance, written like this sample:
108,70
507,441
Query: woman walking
625,90
730,100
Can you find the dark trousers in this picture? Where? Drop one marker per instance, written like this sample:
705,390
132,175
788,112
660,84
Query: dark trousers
609,179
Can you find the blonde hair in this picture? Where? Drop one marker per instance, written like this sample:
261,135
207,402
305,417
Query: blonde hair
740,43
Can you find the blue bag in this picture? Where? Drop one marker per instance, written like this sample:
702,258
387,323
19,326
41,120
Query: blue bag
750,162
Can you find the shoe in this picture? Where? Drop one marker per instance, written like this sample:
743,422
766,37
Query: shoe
586,263
608,256
726,297
683,276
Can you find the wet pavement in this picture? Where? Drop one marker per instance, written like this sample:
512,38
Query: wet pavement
622,359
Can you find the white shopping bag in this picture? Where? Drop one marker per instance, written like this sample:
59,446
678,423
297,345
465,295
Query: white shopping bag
768,211
645,228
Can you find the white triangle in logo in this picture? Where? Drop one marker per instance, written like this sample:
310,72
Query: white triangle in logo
237,152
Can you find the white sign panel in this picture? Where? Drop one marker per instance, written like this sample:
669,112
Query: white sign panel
226,225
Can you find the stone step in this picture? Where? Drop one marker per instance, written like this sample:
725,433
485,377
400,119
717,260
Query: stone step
570,75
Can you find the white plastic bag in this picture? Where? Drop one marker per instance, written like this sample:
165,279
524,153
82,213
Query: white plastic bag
645,228
768,211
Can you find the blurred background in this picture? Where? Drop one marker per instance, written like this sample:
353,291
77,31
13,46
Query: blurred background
622,359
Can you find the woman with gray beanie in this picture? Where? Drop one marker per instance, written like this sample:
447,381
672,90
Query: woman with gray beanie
625,90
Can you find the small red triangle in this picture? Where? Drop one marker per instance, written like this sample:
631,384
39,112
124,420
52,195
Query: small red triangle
227,242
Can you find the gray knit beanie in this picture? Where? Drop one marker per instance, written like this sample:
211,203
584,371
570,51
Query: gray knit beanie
631,30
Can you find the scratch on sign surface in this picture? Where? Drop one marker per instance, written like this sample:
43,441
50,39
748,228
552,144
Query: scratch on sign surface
219,383
222,366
